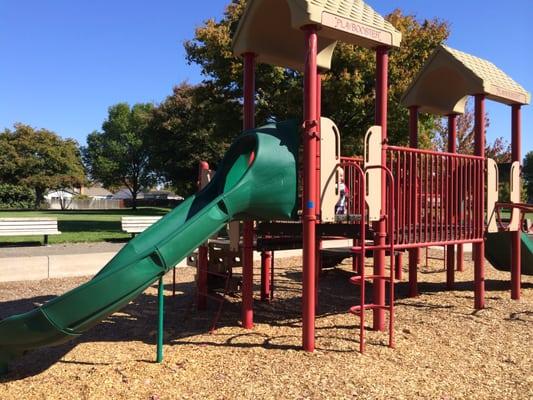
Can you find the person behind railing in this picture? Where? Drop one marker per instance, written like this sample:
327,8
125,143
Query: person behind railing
340,206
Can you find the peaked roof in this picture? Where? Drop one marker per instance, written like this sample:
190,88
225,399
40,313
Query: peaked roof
450,76
272,29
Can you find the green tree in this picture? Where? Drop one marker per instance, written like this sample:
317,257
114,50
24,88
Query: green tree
40,160
182,133
499,149
527,174
119,155
351,79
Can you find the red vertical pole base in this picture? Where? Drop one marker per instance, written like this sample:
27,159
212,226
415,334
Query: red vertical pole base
413,271
378,285
398,265
460,258
516,266
266,264
450,266
479,276
248,276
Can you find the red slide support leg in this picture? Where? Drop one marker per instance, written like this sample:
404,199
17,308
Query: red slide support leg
266,264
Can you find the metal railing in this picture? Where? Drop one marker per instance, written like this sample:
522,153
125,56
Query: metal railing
437,196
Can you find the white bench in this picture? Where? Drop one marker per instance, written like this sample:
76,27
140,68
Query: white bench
136,225
29,227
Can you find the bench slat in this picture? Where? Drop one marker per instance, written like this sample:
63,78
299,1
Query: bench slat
28,226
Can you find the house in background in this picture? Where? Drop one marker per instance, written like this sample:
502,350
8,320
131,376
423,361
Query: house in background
161,195
96,192
125,194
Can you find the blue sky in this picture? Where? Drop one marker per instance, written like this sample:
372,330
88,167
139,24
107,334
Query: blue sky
64,61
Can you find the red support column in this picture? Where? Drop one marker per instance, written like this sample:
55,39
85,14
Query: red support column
248,228
453,218
378,287
460,258
311,128
479,259
266,262
414,254
318,263
202,262
515,236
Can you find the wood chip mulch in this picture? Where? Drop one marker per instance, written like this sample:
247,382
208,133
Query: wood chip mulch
444,349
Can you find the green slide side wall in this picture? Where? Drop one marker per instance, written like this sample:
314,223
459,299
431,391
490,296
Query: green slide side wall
266,188
498,251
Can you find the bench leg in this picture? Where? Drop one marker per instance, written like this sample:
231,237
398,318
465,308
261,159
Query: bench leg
46,240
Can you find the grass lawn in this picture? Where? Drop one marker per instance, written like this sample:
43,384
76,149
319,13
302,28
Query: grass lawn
80,226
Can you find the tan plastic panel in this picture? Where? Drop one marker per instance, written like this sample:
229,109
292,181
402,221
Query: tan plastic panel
514,224
492,194
234,235
330,150
373,147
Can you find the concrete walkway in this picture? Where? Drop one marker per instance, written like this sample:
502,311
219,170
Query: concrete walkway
85,259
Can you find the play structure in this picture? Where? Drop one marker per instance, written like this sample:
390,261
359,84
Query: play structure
392,200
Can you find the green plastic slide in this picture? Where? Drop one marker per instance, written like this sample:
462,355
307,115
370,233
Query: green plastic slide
498,251
257,179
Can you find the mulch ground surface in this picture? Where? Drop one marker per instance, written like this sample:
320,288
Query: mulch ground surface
444,349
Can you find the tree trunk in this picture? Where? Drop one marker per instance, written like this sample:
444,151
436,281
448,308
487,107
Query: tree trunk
134,200
39,197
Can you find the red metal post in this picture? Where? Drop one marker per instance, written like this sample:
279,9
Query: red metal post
453,218
398,263
248,228
202,262
479,260
311,129
318,263
413,253
515,236
378,287
460,257
266,262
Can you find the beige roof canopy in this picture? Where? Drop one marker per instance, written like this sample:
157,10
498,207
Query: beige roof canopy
272,29
450,76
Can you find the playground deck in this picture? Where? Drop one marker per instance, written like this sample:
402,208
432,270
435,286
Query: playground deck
447,351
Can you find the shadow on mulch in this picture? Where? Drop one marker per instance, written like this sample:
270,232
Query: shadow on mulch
138,320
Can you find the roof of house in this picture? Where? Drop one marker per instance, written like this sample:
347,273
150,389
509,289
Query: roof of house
272,29
449,76
96,191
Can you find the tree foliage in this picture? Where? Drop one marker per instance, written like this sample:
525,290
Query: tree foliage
348,88
527,174
16,196
499,149
39,159
184,125
119,155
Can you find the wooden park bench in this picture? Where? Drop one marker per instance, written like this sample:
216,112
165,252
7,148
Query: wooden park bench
29,227
136,225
